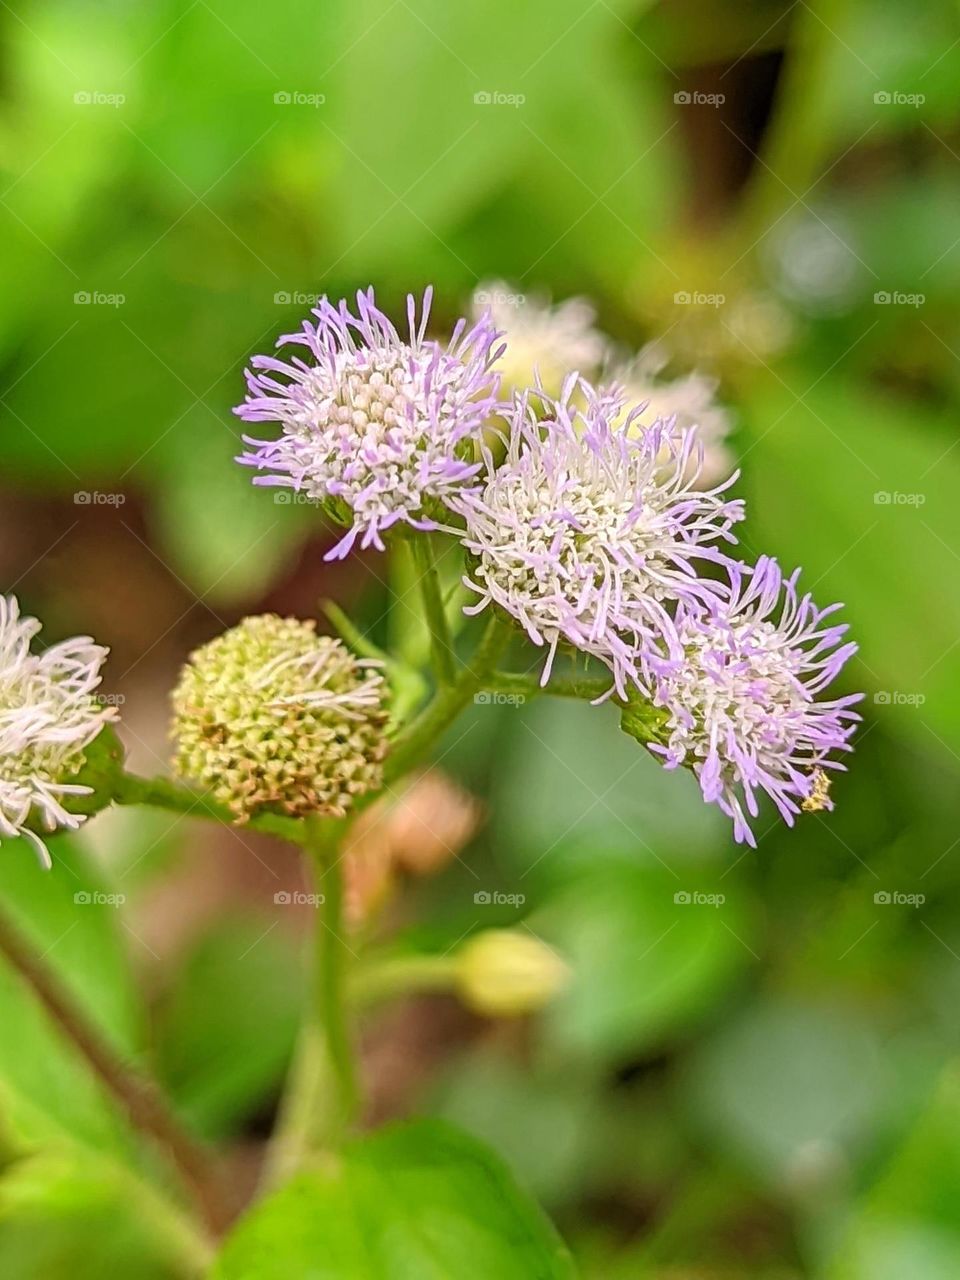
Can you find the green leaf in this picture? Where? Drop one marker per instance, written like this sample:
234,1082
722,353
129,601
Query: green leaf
906,1224
417,1202
792,1088
66,1212
874,520
651,951
221,1057
72,918
225,537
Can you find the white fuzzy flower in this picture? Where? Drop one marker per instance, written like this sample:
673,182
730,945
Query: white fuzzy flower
544,343
690,400
585,538
48,715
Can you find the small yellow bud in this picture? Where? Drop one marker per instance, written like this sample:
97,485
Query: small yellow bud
504,973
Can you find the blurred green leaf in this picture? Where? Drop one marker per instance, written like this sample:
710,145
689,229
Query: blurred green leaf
907,1224
791,1088
651,951
570,778
225,1030
63,1213
416,1202
870,509
46,1090
225,537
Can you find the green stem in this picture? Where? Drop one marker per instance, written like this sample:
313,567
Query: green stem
321,1095
402,976
441,643
415,741
329,977
583,687
164,793
137,1094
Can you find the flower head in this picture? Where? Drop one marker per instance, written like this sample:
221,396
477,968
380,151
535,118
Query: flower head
585,537
271,716
743,702
48,716
544,343
375,426
690,400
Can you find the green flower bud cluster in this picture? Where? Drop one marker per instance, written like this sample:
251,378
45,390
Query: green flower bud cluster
272,717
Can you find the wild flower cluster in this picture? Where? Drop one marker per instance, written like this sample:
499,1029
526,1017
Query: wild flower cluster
593,505
592,500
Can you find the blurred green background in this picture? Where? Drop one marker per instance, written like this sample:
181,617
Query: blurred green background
766,1088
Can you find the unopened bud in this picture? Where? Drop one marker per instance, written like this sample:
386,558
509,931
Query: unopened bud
271,716
504,973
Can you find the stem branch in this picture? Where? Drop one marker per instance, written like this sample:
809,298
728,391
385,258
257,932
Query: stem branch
137,1094
441,644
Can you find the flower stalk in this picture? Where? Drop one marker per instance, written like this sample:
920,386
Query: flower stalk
137,1094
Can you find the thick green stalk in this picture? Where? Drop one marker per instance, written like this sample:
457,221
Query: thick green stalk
331,955
164,793
441,643
410,746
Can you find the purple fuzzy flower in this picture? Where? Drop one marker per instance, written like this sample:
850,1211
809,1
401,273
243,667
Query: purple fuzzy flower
743,709
377,427
585,537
